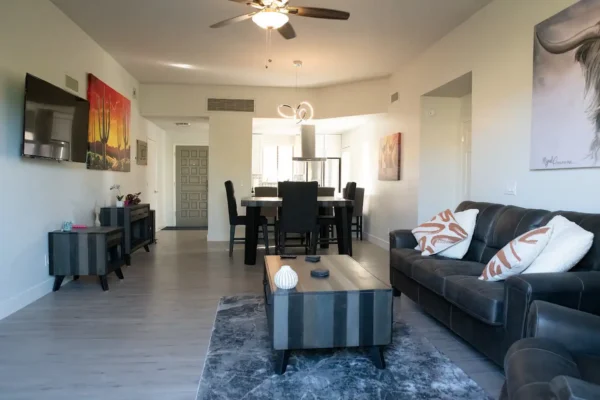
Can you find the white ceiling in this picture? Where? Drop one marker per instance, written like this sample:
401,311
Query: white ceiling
331,126
146,35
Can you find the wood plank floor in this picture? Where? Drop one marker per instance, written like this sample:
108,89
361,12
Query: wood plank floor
146,338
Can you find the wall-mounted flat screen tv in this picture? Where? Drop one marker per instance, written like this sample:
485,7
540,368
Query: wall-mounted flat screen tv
55,122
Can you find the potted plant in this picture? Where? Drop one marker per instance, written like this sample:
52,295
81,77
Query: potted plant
133,199
120,197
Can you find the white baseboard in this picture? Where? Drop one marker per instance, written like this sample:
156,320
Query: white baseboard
385,244
27,297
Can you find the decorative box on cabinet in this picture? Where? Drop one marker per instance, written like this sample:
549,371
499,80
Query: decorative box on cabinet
90,251
136,223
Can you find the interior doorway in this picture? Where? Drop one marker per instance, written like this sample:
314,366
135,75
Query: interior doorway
445,148
152,176
191,186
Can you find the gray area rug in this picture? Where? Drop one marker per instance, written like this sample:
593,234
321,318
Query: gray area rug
239,365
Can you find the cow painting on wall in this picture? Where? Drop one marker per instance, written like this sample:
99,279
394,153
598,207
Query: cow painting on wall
566,89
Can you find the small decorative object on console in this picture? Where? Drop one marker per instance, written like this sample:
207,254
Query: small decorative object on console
117,187
286,278
133,199
67,226
97,222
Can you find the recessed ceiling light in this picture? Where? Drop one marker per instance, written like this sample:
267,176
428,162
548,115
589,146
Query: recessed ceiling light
182,123
182,66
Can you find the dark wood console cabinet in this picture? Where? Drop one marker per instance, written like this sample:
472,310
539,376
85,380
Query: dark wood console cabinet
137,225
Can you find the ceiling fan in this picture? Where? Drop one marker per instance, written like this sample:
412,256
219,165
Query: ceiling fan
274,14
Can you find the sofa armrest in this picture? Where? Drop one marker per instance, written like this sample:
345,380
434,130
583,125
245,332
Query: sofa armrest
576,330
569,388
577,290
402,239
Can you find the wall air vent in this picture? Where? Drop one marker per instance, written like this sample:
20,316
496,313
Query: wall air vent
395,97
238,105
72,83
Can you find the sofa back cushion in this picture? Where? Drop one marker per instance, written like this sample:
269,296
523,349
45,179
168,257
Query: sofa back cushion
485,218
498,224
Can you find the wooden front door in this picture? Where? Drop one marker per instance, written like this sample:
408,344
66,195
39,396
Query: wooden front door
191,186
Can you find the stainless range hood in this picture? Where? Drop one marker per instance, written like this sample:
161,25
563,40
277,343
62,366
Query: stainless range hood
309,144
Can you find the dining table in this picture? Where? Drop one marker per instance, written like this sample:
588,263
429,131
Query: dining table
343,219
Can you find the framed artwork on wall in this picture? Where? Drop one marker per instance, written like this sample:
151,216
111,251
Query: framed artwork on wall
109,145
142,152
390,153
566,95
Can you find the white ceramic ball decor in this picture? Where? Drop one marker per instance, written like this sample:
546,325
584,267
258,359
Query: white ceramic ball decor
286,278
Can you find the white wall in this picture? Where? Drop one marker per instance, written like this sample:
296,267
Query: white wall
158,135
165,100
439,182
196,135
358,98
230,158
501,60
38,195
388,205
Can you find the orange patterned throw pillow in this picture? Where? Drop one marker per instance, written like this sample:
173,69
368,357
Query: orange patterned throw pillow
439,234
518,255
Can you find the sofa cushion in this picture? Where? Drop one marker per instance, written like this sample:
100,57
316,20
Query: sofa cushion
402,259
431,272
480,299
483,226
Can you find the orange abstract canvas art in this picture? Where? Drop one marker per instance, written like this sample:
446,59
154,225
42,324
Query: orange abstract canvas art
109,145
390,151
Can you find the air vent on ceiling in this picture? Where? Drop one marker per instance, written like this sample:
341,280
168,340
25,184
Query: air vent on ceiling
238,105
71,83
183,124
395,97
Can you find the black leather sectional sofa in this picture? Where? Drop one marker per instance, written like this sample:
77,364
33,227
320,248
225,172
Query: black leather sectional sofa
491,316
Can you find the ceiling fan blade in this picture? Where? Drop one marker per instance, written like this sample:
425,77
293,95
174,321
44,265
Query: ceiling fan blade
233,20
287,31
314,12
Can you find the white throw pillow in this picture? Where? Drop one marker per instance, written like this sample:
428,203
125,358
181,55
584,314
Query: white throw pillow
568,244
439,234
466,219
517,255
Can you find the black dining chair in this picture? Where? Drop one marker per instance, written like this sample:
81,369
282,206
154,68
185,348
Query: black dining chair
357,216
270,213
329,222
326,219
298,213
236,220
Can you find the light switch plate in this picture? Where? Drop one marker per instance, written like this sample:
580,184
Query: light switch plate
511,189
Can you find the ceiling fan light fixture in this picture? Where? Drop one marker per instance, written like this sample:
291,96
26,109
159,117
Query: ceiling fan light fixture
268,19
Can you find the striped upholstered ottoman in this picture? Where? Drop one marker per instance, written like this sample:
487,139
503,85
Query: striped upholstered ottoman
350,308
